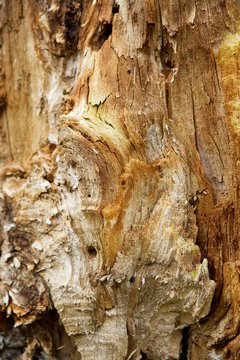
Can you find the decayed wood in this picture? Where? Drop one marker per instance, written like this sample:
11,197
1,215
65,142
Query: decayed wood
119,177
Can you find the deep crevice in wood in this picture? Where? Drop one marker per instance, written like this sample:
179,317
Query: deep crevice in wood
185,343
115,8
102,34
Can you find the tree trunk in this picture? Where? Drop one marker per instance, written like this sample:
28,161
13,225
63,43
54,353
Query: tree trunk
119,179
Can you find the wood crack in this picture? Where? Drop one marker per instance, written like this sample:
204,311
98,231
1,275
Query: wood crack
194,119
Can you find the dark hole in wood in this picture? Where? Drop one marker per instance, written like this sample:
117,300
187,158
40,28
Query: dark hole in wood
185,343
115,9
123,182
169,64
132,279
106,32
91,251
143,356
39,354
102,34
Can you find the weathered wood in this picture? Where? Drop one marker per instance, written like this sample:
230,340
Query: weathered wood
119,176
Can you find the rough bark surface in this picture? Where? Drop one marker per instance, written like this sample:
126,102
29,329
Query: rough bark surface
119,159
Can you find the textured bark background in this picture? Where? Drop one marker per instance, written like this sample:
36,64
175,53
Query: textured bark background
119,159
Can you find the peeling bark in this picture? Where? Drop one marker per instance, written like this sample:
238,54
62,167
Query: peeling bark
119,179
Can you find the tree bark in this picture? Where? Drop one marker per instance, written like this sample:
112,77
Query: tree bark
119,181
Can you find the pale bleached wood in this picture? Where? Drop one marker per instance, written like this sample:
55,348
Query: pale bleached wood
119,175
